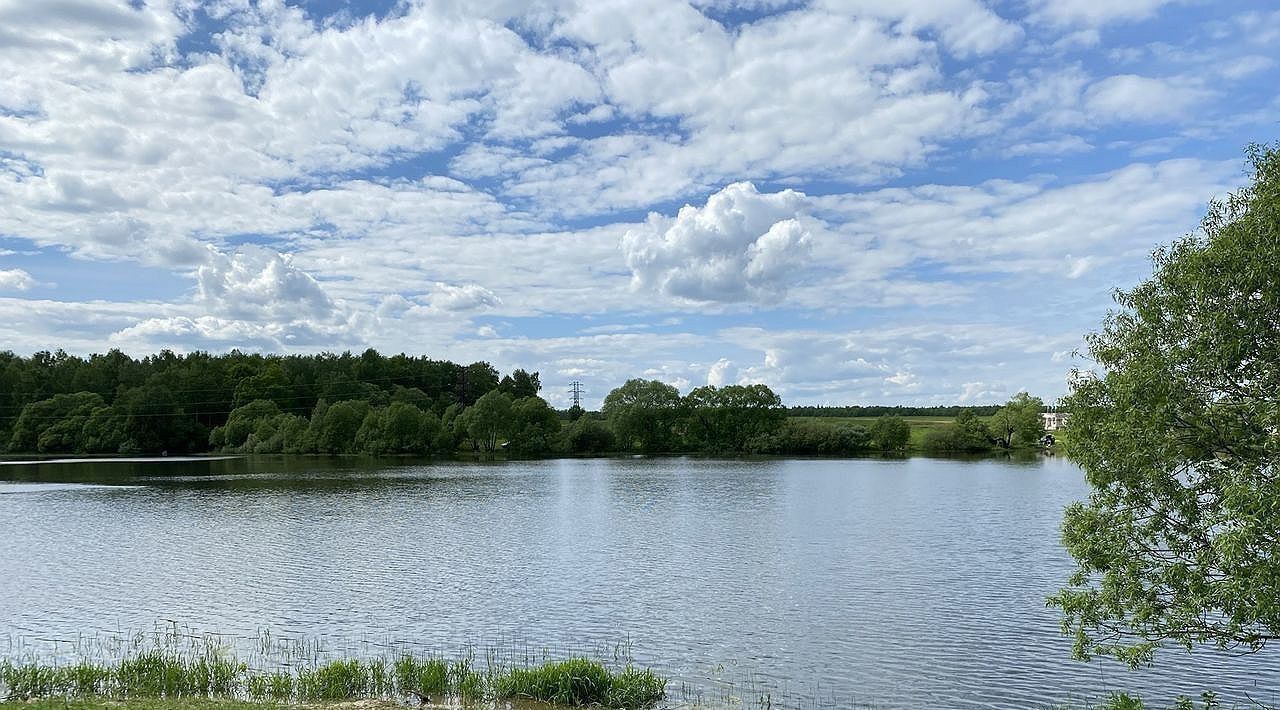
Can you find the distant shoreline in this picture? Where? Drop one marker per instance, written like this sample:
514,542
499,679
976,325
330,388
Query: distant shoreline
121,459
467,457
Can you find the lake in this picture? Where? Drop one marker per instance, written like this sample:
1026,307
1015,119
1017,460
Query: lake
826,583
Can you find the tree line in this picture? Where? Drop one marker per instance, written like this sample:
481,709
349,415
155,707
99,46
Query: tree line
862,412
652,416
113,403
57,403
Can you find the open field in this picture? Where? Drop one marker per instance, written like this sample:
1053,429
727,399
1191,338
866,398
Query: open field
920,426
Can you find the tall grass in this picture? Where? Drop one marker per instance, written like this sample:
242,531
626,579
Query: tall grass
579,681
497,672
160,674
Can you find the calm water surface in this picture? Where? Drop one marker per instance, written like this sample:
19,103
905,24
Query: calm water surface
892,583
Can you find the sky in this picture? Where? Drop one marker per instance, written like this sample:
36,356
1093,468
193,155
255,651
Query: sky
851,201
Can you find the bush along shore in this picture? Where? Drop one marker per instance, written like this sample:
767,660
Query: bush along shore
574,682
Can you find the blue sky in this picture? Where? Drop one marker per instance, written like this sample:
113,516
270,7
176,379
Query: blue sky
853,201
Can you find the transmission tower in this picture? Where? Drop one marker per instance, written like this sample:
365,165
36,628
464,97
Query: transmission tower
575,389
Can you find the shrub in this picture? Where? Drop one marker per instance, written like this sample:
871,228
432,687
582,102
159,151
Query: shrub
813,438
587,436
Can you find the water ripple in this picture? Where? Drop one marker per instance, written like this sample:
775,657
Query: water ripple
890,583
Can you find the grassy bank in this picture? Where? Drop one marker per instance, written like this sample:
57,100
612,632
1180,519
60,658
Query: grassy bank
156,677
184,704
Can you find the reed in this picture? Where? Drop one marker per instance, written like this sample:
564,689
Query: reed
337,680
636,688
158,704
580,681
212,674
424,678
277,686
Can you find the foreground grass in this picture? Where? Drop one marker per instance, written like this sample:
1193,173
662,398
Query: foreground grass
166,704
151,679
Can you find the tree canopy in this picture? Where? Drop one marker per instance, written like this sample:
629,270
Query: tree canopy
488,419
890,433
520,384
1177,431
369,403
112,403
1018,422
643,414
726,418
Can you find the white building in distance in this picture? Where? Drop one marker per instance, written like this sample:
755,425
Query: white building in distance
1054,420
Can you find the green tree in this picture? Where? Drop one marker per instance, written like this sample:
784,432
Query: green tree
643,414
333,430
397,428
452,431
726,418
474,381
283,433
54,424
104,432
412,395
890,433
534,427
520,384
1018,422
242,422
487,420
1178,432
587,436
154,421
268,384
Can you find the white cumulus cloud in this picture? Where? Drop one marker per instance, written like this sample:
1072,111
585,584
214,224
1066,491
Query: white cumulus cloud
742,246
462,297
256,283
15,280
721,373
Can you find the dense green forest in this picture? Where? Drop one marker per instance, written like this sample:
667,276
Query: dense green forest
55,403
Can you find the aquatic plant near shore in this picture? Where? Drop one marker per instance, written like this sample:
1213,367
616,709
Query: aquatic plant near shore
277,686
579,681
159,674
422,677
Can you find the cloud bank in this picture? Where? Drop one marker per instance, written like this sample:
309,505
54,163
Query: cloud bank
852,200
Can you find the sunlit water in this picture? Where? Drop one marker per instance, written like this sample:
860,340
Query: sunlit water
890,583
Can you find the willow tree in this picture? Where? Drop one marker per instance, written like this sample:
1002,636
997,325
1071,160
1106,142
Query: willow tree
643,413
1178,431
